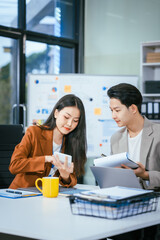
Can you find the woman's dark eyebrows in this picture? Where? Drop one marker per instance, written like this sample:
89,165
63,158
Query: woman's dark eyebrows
71,115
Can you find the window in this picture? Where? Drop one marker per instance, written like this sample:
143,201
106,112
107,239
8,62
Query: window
42,58
8,75
36,36
52,17
9,13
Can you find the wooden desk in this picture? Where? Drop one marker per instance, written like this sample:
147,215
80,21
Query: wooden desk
51,218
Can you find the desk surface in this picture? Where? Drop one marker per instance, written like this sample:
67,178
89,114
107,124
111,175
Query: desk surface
51,218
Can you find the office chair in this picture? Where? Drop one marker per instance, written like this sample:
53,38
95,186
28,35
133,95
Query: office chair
10,136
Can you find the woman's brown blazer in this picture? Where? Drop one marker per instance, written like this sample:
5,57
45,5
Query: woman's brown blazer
28,159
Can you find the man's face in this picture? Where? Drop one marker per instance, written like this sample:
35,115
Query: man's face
122,115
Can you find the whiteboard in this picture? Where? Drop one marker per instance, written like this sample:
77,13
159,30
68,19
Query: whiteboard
45,90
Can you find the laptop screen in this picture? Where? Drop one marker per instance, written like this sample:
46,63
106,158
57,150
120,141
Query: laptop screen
110,177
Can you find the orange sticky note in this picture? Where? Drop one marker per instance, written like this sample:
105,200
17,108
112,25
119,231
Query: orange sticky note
97,111
67,88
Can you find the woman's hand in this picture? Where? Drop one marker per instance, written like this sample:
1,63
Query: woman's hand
140,171
49,159
63,168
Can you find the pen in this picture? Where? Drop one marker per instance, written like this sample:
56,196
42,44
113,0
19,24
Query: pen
103,155
29,195
12,191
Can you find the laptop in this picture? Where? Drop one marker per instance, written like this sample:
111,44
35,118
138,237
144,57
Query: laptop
110,177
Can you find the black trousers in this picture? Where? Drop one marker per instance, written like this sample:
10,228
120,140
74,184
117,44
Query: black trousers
149,233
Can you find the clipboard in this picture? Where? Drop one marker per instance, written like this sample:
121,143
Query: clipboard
115,160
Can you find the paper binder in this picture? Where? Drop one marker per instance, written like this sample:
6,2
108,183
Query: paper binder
151,110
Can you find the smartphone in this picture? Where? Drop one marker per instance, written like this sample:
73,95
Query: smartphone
62,157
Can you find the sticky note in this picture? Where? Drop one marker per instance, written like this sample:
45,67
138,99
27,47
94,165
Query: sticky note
97,111
67,88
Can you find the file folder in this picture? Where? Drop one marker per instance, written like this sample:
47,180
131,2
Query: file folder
156,111
150,110
144,108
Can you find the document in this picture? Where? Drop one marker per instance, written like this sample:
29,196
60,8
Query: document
113,203
115,193
115,161
15,193
69,191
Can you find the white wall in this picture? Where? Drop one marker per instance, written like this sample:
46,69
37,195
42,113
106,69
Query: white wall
114,30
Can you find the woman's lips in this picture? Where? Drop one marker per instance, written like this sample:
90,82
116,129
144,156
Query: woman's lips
67,128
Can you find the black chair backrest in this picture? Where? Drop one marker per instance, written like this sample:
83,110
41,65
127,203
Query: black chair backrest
10,136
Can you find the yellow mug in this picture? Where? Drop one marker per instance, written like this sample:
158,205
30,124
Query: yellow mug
50,186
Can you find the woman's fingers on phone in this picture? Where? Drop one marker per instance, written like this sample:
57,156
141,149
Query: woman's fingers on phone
66,162
71,168
58,164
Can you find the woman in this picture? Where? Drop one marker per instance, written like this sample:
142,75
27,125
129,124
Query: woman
63,131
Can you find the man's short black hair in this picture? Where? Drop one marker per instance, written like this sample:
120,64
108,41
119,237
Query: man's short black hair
127,94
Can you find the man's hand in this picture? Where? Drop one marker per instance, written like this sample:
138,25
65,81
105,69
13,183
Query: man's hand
140,171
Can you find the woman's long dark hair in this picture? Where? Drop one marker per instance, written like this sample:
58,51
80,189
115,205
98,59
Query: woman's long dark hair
75,142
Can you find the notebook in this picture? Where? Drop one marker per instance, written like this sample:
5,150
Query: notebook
110,177
16,193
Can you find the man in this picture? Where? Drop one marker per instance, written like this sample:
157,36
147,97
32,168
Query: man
141,139
139,136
